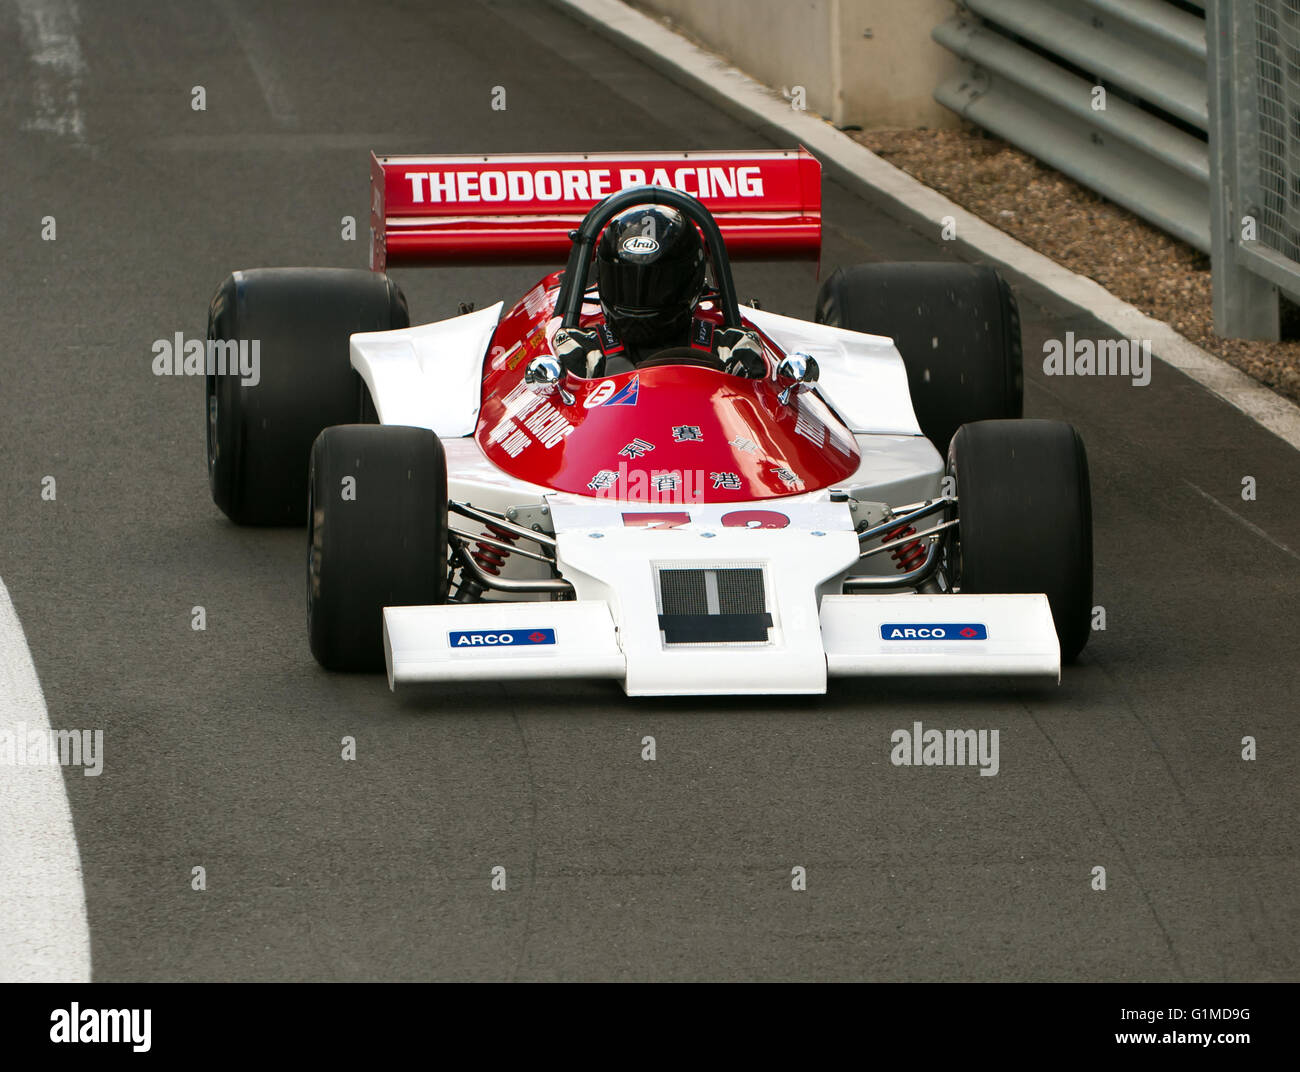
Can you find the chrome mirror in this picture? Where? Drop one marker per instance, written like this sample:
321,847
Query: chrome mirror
545,375
795,373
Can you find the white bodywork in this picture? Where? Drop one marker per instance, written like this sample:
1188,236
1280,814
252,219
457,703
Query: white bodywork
1021,635
612,628
430,377
863,377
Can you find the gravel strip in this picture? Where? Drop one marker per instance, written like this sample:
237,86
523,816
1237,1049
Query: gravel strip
1077,228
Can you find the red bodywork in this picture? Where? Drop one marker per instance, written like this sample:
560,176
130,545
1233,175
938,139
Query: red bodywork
672,434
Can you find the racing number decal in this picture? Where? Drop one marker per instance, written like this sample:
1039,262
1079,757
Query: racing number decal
754,519
736,519
656,521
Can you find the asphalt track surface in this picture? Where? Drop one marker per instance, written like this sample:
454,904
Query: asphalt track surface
222,747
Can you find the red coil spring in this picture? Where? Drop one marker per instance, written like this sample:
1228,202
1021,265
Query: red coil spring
908,555
490,559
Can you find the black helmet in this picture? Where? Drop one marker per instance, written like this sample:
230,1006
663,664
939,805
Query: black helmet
650,272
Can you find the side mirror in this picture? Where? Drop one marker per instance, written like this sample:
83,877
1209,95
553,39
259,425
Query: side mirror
546,375
795,373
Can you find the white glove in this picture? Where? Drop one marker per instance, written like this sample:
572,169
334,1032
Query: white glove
579,352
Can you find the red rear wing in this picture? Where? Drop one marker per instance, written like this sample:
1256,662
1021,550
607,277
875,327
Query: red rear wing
517,209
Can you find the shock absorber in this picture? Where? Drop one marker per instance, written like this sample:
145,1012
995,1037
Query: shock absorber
908,555
490,559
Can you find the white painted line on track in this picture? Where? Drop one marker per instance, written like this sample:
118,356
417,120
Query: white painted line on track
45,936
49,32
261,58
757,105
1242,521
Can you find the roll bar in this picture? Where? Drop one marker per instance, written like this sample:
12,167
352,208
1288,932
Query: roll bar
568,303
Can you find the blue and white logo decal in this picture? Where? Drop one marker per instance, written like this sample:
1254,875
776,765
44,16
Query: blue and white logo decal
930,631
627,396
500,638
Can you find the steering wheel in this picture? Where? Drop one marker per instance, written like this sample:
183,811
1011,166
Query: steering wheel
683,355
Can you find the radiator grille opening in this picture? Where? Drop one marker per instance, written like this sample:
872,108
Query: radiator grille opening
703,605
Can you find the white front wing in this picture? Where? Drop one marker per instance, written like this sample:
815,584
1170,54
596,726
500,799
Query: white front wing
613,628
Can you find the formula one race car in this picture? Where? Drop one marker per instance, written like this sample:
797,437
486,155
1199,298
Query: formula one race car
628,474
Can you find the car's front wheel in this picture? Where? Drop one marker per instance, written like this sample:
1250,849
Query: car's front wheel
376,536
1024,505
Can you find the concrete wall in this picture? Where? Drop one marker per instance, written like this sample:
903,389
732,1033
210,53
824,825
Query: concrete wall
882,80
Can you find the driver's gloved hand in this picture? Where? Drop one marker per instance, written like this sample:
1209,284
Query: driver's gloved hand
579,352
741,352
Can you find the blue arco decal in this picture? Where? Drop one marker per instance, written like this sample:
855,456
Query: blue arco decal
482,639
933,631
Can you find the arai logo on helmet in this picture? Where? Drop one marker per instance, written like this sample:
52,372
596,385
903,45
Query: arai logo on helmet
639,244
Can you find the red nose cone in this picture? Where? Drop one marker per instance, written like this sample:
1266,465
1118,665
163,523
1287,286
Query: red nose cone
671,434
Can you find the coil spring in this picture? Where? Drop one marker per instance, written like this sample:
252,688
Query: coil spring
908,555
489,558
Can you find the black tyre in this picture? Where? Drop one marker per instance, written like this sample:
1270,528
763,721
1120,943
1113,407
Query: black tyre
259,436
1025,509
957,327
378,540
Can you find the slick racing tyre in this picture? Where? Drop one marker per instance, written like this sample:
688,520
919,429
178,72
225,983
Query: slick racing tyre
376,536
291,325
1025,518
956,326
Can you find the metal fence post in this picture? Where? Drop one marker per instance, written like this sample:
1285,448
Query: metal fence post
1245,304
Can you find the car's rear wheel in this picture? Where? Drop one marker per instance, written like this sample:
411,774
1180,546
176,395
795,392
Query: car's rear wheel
956,326
1024,505
377,536
297,322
